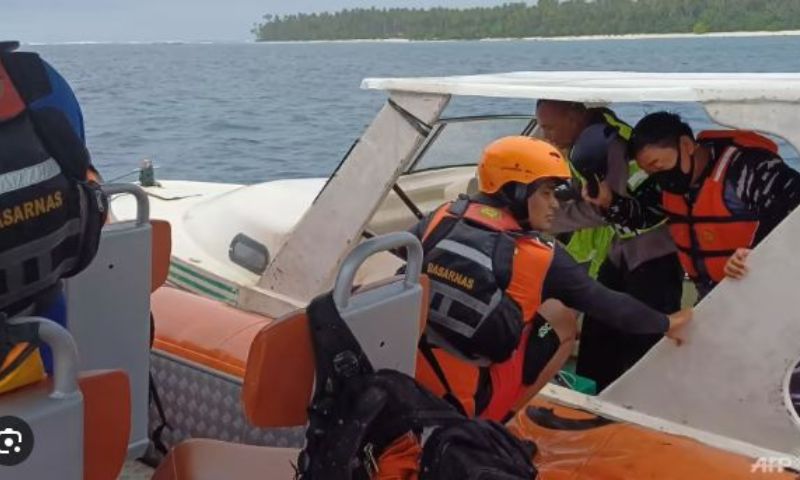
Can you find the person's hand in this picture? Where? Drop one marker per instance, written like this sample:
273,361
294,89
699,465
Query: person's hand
677,324
736,266
603,198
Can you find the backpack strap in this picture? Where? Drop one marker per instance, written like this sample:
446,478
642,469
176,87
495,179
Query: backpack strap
338,354
427,351
455,212
337,357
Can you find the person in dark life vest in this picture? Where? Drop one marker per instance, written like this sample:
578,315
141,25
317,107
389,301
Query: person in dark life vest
52,207
640,262
490,342
62,98
723,192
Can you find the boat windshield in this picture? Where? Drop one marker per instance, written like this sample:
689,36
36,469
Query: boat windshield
460,141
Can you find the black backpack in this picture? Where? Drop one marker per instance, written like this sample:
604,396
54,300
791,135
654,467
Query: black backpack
356,413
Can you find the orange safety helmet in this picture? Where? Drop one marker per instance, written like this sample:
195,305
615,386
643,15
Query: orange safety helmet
519,159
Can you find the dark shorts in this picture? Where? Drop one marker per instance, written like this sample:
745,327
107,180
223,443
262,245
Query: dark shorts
542,345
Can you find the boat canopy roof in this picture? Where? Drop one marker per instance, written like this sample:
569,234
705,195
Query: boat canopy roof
608,86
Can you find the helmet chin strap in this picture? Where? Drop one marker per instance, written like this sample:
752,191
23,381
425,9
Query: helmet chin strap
516,201
520,213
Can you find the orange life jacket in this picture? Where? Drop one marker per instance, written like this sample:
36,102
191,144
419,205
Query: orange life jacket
468,381
704,229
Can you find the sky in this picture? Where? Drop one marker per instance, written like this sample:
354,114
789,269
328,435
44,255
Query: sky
49,21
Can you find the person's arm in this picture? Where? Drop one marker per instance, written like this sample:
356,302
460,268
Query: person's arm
576,214
766,185
639,212
568,282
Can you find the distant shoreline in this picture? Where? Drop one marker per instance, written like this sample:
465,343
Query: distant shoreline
647,36
629,36
632,36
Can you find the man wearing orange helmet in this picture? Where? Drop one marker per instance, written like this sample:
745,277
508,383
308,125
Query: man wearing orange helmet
490,344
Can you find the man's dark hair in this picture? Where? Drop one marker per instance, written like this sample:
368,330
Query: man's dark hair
660,129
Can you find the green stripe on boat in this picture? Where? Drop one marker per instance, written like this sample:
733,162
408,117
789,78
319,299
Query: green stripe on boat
212,281
193,285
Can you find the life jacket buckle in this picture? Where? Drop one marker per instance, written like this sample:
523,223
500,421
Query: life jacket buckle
345,364
370,463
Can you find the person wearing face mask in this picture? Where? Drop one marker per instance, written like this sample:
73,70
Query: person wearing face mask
723,192
641,262
492,339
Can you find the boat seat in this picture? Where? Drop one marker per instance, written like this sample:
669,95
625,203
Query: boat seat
205,459
106,422
161,252
108,304
386,318
188,326
80,423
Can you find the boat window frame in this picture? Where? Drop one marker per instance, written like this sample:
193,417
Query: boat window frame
440,125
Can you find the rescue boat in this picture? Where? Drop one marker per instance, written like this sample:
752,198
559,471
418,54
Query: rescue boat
230,356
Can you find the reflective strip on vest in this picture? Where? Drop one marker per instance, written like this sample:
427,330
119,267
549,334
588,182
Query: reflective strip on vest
441,314
623,129
29,176
467,252
722,165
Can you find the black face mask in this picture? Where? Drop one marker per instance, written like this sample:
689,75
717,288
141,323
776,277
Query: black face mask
675,180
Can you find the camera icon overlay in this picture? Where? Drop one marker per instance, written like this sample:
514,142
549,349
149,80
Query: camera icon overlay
16,441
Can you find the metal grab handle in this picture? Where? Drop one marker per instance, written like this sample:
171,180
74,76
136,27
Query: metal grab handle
142,202
350,265
65,354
